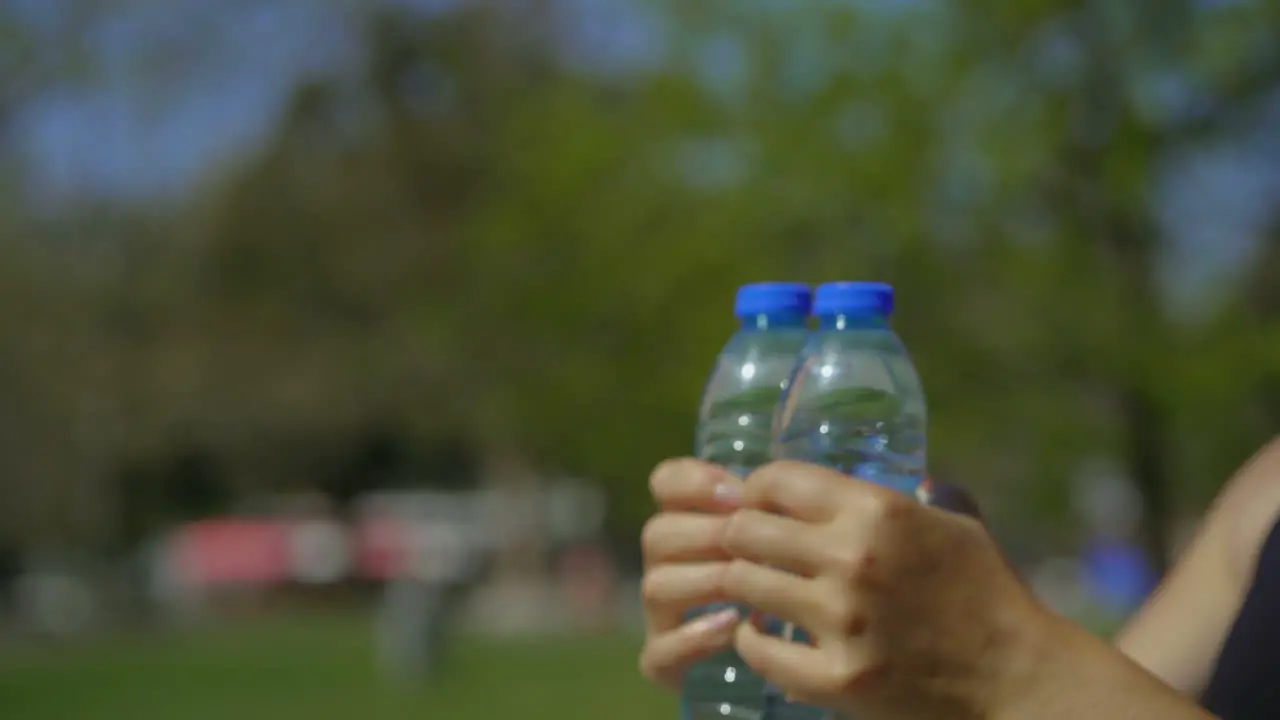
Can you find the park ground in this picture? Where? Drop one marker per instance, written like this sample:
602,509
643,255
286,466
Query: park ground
321,669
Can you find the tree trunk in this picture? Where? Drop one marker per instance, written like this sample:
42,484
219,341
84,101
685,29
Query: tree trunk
1146,430
1130,245
1145,423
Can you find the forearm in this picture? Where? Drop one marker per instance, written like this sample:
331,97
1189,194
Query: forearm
1179,658
1178,631
1070,674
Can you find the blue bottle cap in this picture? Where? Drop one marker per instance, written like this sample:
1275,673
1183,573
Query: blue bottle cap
773,297
853,298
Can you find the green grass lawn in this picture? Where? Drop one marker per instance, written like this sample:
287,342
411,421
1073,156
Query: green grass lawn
321,669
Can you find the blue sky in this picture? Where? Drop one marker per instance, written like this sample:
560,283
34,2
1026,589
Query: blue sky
177,90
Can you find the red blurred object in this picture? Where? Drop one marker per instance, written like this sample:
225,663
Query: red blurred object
589,581
233,552
265,552
382,548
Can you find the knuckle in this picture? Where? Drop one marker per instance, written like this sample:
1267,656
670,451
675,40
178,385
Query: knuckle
704,476
885,505
842,614
651,536
833,680
849,564
736,575
681,478
651,588
795,474
781,467
660,478
762,477
735,530
858,676
761,472
846,678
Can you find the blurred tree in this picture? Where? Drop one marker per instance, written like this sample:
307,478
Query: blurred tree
476,242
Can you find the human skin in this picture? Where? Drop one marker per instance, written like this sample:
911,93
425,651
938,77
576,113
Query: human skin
1178,633
912,610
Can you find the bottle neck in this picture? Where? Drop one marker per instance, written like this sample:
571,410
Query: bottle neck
858,321
774,321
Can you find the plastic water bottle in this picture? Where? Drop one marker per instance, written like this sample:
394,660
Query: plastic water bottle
855,404
735,430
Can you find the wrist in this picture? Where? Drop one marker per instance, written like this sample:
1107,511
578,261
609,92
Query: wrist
1058,670
1039,645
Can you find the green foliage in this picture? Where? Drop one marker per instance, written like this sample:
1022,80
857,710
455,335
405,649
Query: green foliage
543,262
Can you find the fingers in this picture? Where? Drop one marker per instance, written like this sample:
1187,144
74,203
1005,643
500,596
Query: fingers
790,666
666,656
692,485
669,591
774,540
775,592
809,675
799,490
674,537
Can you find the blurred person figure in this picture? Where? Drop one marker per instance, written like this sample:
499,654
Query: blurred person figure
423,602
914,611
589,582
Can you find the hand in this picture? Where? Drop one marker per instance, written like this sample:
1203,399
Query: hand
913,612
685,565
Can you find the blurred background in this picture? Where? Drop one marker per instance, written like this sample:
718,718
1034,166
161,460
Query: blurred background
338,337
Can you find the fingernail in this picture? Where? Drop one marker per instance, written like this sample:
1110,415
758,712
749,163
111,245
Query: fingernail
716,621
729,493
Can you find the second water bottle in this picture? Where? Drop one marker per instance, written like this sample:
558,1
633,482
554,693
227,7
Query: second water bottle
854,404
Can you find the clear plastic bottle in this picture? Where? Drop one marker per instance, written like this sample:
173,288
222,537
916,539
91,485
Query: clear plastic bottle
855,404
735,430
